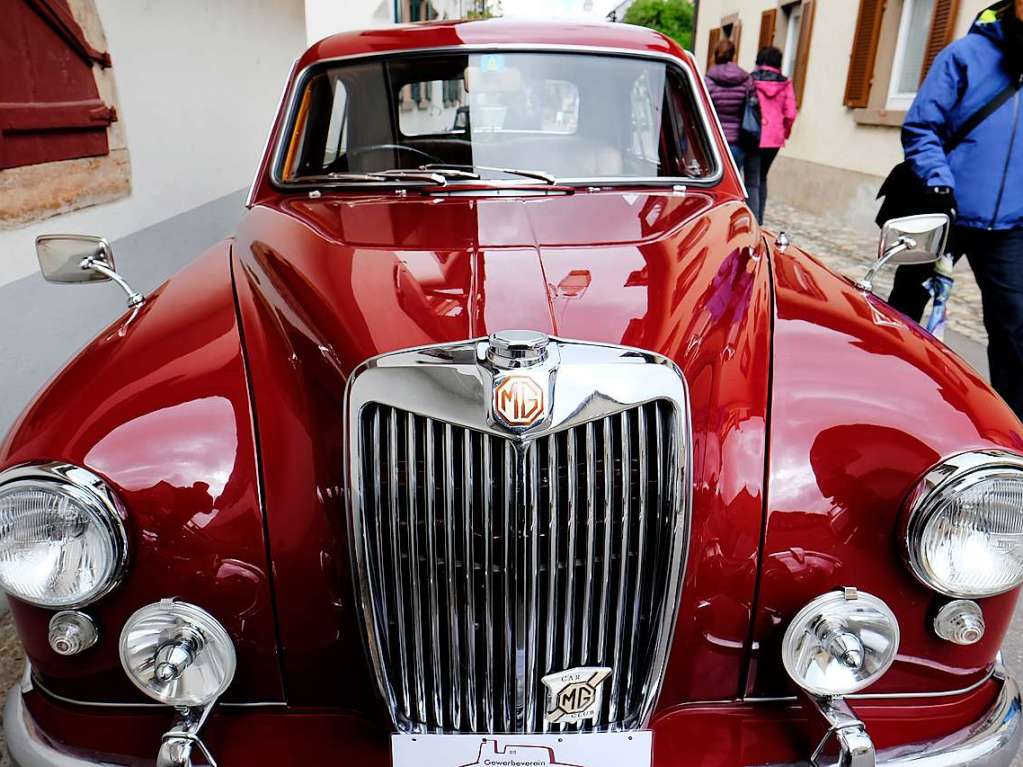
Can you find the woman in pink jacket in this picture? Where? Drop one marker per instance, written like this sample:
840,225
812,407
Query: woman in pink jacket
778,113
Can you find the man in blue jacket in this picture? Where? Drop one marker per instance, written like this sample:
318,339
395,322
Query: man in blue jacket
979,183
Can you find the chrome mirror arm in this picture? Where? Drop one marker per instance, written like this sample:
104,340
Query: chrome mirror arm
904,244
94,264
177,743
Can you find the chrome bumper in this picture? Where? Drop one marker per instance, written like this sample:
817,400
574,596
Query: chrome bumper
990,742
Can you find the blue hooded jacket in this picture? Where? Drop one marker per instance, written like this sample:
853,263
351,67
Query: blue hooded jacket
986,169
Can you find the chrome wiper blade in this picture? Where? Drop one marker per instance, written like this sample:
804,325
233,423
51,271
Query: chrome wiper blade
539,175
416,175
384,176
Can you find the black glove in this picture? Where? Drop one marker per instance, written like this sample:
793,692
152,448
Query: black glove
941,199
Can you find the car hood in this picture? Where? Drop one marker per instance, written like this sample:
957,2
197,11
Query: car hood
324,284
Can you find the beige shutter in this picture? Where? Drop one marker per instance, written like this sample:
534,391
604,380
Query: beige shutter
803,56
943,28
768,21
864,53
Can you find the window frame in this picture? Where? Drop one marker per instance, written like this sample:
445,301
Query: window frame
706,124
896,100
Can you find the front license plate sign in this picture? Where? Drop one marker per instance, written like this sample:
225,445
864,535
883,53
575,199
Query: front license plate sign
584,750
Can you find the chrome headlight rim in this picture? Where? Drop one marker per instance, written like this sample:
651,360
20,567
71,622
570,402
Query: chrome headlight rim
89,489
954,474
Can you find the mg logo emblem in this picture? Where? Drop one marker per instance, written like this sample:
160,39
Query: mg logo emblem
574,695
519,401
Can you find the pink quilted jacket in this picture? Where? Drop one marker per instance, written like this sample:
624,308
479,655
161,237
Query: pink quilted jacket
777,106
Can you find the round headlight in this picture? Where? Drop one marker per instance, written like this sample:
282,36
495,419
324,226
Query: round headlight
62,538
177,653
840,643
963,533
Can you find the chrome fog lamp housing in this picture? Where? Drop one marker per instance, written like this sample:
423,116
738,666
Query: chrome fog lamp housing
177,653
962,527
62,537
840,643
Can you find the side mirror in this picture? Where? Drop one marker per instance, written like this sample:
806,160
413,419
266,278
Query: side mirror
910,240
68,258
73,258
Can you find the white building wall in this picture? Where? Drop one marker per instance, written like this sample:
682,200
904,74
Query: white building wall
197,84
328,17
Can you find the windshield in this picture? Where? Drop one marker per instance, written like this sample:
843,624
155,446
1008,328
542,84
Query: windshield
528,116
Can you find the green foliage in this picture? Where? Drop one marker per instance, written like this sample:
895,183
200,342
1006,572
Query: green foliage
485,9
673,18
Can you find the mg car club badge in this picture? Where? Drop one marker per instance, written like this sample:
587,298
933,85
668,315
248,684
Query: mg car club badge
574,695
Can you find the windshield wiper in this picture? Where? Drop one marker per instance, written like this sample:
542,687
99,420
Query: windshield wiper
473,170
425,177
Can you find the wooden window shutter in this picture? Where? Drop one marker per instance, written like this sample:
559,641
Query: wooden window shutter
803,55
712,43
736,36
943,29
864,53
50,108
768,22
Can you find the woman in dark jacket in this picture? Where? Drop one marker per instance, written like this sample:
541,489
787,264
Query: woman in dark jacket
730,86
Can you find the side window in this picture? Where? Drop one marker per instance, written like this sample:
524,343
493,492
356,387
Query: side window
646,120
337,131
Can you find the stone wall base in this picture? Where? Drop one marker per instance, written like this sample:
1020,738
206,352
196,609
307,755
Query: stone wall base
842,196
34,192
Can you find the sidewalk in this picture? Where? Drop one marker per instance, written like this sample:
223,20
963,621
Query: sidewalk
850,252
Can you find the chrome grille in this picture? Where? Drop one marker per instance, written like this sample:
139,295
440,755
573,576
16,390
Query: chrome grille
488,561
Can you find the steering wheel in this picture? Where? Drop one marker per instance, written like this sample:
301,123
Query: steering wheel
393,147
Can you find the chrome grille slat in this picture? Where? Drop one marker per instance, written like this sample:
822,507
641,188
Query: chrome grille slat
470,586
429,466
491,560
412,483
454,648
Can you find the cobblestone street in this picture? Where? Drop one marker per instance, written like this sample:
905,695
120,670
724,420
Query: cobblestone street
850,252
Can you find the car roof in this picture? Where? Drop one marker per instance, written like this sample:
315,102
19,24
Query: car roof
496,32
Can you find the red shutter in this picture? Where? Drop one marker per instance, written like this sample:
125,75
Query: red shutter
768,22
49,104
943,29
864,53
799,73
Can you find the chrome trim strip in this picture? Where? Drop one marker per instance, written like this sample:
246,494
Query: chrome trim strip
709,120
623,565
992,673
89,490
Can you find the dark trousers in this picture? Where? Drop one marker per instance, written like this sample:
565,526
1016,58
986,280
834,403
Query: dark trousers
758,165
997,262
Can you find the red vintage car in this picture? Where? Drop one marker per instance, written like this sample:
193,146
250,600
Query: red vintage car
501,434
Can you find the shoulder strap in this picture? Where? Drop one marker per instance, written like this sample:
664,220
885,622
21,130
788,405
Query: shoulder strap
982,114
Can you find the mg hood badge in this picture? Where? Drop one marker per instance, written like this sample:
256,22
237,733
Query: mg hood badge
520,380
519,401
575,695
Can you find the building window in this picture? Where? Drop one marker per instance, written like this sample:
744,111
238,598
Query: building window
793,15
908,63
894,45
